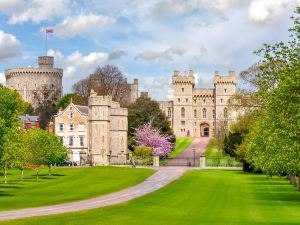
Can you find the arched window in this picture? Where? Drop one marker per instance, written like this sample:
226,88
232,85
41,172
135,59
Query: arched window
195,113
204,113
214,113
182,112
225,113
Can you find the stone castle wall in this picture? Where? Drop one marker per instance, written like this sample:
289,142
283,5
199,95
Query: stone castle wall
198,111
30,82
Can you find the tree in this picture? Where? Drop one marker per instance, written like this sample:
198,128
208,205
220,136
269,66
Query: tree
12,105
273,143
47,149
143,111
106,80
148,136
16,151
46,101
66,100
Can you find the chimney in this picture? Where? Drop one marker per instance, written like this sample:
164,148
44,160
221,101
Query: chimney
136,81
176,73
37,124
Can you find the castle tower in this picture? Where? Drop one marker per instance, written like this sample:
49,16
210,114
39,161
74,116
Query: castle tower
183,86
99,128
32,82
225,87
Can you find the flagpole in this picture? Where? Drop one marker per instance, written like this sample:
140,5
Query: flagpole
46,41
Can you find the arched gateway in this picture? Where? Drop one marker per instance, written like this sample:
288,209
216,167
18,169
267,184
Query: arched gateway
204,130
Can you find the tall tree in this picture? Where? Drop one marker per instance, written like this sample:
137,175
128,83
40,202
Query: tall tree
66,100
145,110
106,80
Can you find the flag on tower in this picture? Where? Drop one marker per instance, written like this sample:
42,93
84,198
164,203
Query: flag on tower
49,30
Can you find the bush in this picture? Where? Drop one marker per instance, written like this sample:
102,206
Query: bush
143,155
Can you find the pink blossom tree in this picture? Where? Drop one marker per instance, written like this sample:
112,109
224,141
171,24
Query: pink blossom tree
148,136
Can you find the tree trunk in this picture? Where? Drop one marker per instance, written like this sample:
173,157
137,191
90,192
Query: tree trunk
298,183
49,172
5,174
37,174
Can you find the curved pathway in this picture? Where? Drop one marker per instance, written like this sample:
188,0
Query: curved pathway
162,177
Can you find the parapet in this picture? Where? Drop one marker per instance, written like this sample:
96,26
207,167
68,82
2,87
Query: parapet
95,100
229,79
183,78
46,62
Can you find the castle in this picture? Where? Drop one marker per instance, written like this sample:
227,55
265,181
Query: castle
95,134
32,83
197,112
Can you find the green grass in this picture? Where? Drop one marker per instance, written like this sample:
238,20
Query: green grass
65,185
215,157
210,197
180,145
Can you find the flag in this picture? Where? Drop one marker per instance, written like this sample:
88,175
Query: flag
49,30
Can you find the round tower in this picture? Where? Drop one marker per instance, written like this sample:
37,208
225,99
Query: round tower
31,83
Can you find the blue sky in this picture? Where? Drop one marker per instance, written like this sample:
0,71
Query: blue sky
147,40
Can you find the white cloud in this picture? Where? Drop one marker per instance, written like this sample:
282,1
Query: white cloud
56,54
89,61
20,11
70,71
2,78
159,87
179,7
167,54
10,46
77,25
262,11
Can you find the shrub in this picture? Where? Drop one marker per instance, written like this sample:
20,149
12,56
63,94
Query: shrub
143,155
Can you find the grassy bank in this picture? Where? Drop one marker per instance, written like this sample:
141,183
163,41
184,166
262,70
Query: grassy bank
65,185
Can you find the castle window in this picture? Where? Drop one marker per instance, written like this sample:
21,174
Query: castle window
182,112
204,113
61,127
225,113
81,127
195,113
71,115
186,100
71,127
182,89
204,100
214,113
169,113
178,99
221,100
225,90
182,123
81,140
71,140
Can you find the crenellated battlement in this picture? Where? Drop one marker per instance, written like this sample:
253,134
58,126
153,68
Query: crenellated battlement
184,78
227,80
95,100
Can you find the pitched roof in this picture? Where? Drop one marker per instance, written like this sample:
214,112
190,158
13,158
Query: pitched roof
83,109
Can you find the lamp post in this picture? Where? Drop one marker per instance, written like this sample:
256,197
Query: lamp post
194,152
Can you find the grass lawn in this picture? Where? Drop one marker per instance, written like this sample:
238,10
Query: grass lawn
65,185
214,157
210,197
180,145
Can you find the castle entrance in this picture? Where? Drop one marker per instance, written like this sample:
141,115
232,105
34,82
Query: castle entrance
204,130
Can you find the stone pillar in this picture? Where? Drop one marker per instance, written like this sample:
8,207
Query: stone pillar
156,161
202,161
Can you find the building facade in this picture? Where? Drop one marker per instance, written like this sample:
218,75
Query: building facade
31,83
95,134
71,125
197,112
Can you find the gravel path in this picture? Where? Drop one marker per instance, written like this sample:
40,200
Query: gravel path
161,178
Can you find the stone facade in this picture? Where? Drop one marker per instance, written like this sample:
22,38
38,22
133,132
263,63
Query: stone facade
30,82
96,133
71,125
108,125
199,112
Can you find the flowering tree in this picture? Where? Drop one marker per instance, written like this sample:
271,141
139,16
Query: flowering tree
148,136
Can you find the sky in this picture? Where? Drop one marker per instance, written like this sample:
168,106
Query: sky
147,40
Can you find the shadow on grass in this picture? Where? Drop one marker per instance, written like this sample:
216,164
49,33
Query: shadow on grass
3,194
